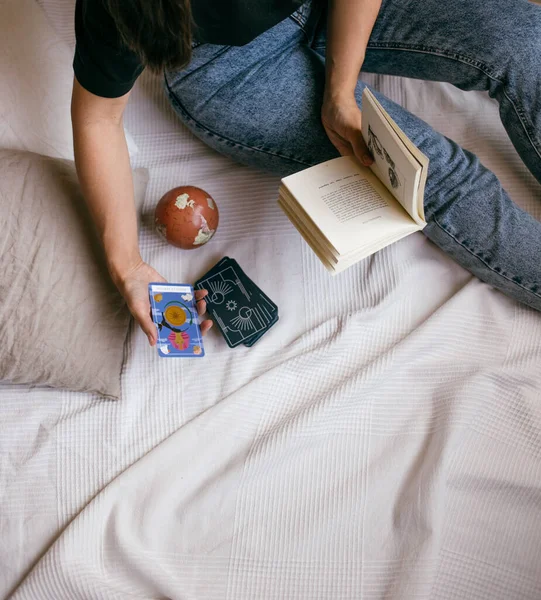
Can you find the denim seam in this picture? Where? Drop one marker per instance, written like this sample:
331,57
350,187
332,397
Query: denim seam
300,25
298,21
434,220
217,55
527,128
301,16
436,51
472,63
228,140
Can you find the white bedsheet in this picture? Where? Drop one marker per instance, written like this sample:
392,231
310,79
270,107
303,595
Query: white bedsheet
382,441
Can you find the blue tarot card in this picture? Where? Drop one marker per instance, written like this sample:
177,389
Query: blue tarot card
174,312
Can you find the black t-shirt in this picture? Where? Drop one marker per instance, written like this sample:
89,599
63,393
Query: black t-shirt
105,67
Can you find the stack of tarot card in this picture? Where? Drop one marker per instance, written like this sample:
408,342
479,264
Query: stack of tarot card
240,309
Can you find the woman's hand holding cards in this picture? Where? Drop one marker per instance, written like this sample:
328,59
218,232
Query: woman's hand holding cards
202,309
134,288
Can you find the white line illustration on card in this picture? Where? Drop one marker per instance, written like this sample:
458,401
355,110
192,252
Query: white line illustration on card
238,319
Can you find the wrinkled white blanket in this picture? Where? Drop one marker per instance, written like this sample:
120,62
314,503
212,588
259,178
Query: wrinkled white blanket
382,441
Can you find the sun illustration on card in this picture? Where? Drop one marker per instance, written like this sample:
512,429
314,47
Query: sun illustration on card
175,315
231,305
219,291
244,319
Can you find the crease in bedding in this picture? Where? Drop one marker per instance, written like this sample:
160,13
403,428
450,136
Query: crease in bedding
382,441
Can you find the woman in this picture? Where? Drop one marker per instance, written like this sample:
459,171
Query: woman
274,84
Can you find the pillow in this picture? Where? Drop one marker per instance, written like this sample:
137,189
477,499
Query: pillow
62,321
37,78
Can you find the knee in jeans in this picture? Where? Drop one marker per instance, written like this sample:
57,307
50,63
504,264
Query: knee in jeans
524,45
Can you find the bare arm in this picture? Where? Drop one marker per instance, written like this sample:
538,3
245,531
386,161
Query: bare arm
349,27
103,167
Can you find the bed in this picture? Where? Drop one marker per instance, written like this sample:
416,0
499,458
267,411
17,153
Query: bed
382,441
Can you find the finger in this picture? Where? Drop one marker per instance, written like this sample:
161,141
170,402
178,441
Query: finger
205,326
147,325
342,145
200,294
361,150
201,307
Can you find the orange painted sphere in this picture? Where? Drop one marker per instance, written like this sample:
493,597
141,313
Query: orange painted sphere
186,217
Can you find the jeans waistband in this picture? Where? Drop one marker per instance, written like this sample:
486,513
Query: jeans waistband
308,15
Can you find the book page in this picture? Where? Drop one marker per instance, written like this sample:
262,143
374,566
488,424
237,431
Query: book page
352,199
308,235
346,203
337,265
421,158
394,164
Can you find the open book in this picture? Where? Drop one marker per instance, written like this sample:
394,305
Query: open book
346,211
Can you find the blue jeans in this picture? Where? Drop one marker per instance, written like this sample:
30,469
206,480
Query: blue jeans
260,104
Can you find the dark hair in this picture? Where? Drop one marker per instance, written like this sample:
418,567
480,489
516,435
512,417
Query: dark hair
159,31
